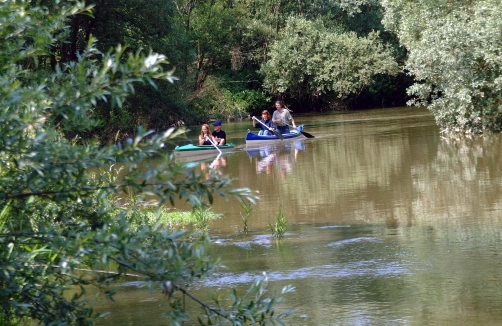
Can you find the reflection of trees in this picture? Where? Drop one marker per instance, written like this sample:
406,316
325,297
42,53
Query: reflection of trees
433,203
361,175
462,182
396,178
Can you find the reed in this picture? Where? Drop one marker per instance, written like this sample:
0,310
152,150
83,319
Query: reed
279,228
247,210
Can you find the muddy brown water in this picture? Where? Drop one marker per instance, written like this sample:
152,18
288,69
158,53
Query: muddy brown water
390,224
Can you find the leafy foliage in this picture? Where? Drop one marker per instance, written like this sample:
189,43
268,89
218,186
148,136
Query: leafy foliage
252,308
139,25
222,98
59,223
139,214
454,55
310,60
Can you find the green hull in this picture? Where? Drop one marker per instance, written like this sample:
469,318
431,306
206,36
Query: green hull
194,150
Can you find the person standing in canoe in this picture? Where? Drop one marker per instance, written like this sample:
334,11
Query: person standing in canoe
205,137
219,135
266,121
281,118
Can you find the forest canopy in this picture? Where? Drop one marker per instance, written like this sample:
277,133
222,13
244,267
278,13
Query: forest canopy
219,51
234,58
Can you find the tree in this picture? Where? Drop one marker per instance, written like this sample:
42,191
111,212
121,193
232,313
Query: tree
149,25
140,25
58,221
455,58
308,61
214,37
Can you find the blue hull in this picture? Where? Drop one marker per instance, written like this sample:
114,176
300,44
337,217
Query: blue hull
252,138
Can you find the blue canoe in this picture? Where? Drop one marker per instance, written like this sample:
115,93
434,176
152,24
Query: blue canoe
252,138
198,150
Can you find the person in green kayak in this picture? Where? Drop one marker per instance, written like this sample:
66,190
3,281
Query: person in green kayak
205,137
219,135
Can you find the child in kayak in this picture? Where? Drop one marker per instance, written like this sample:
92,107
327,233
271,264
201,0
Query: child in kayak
205,137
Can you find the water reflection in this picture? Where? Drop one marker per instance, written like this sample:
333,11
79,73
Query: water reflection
212,163
216,164
282,156
212,168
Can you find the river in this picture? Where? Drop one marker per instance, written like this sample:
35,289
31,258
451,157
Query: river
390,223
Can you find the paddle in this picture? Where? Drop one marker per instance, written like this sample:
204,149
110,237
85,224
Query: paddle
306,134
217,157
215,146
278,134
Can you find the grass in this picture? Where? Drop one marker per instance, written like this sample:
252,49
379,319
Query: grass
197,219
280,227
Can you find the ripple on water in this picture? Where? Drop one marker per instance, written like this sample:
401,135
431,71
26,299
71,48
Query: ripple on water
344,242
333,226
264,240
373,268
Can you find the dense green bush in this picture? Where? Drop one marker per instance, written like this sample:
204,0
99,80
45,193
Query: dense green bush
309,60
455,58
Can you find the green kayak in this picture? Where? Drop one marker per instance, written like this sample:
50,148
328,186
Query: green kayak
194,150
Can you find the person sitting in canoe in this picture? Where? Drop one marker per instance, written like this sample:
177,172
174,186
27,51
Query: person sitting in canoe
266,121
281,117
205,137
219,135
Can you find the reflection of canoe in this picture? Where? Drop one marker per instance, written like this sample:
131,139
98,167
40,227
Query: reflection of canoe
202,150
278,147
252,138
260,149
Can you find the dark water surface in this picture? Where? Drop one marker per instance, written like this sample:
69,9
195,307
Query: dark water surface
390,224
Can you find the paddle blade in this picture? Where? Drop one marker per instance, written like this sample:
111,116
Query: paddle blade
278,134
306,134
